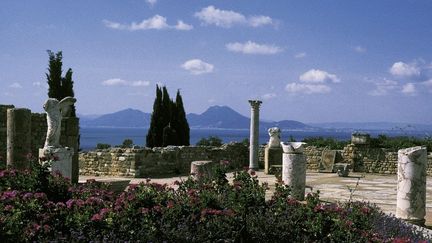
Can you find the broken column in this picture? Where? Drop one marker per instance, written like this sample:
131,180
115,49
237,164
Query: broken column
411,188
18,139
294,168
254,134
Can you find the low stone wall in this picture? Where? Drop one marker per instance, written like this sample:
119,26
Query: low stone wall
157,162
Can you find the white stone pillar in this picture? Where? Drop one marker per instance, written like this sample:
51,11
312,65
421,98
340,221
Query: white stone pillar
254,134
411,188
294,168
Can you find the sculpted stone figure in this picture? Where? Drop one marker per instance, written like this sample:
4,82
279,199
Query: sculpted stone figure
274,133
55,110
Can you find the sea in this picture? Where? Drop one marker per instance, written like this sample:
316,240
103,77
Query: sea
91,136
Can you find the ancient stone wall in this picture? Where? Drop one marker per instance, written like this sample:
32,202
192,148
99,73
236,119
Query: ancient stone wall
157,162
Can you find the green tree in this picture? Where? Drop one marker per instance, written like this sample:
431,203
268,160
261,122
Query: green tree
59,87
155,132
182,125
210,141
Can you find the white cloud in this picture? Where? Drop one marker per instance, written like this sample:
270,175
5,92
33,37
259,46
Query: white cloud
228,18
401,69
384,87
318,76
409,89
140,83
37,84
253,48
256,21
428,84
151,2
268,96
156,22
300,55
114,82
359,49
307,88
183,26
197,66
15,85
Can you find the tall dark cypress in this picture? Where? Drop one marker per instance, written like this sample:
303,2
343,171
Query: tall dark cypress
54,74
155,132
59,87
183,130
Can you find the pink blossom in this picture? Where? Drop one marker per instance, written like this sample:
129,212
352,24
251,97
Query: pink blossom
96,217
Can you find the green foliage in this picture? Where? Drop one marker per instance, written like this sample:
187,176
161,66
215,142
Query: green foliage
210,141
103,146
59,87
127,143
209,210
330,143
168,125
396,143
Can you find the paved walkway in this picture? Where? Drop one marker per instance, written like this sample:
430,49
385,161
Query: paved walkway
378,189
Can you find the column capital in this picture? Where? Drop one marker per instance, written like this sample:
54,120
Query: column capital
255,104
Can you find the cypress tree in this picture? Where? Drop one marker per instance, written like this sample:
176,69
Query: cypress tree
183,130
59,87
54,74
155,132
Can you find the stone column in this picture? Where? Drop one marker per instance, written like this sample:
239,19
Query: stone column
294,168
254,134
18,138
411,188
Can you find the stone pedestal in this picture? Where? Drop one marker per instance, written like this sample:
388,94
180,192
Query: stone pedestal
411,188
272,156
254,134
201,169
294,168
62,159
18,139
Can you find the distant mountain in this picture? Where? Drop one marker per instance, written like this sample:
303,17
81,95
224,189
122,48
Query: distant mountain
382,126
222,117
123,118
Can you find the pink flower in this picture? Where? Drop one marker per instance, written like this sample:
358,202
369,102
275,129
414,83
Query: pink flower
224,162
8,208
144,210
96,217
28,195
170,204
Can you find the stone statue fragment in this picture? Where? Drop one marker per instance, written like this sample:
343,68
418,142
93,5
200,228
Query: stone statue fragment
55,110
274,133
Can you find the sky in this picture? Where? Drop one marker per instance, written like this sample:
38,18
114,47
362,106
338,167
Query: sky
311,61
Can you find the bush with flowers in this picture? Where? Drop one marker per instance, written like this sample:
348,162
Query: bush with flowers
210,210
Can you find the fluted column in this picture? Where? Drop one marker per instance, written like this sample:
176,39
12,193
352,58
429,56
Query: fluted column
254,134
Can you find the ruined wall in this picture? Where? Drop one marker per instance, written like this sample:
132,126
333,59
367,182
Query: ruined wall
156,162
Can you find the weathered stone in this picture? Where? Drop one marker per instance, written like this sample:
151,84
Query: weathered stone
18,138
294,169
254,134
272,156
62,159
202,169
328,160
274,141
411,188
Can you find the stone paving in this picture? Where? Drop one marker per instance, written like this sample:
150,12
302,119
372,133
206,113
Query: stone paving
378,189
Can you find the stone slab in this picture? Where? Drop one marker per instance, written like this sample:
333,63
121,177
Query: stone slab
328,159
62,159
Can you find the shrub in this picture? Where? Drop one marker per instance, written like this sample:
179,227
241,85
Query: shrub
210,210
127,143
330,143
210,141
103,146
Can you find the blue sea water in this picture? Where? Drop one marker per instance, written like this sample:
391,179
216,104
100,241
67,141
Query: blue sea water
90,136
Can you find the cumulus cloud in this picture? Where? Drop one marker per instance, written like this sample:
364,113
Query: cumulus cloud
15,85
228,18
307,88
359,49
409,89
300,55
318,76
405,70
253,48
428,84
383,87
156,22
268,96
151,2
122,82
197,66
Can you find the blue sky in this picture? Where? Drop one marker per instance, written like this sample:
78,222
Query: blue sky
312,61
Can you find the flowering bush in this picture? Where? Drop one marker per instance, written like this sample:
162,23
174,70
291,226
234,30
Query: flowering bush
209,210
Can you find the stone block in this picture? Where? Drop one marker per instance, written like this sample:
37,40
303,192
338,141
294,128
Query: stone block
63,164
272,156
